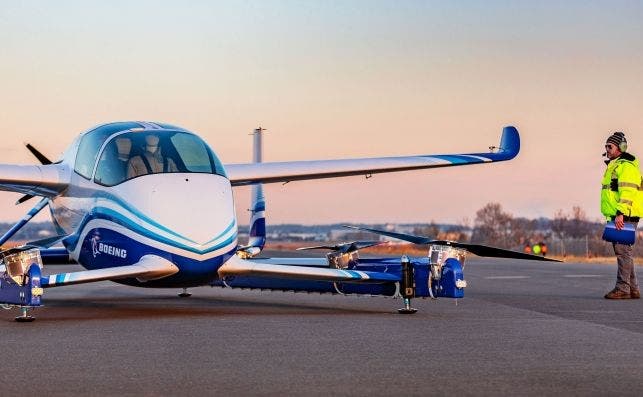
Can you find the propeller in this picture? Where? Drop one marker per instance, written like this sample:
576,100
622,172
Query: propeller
44,160
41,157
344,248
477,249
47,242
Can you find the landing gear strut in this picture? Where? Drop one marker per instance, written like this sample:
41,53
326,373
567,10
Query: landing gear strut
185,293
408,286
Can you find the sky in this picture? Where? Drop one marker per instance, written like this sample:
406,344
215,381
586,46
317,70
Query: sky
340,79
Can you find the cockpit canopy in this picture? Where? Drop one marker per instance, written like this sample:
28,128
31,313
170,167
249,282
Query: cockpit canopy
125,151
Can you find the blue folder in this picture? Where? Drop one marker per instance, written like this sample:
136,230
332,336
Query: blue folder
627,235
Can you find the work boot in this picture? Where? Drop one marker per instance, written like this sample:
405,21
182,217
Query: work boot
635,294
617,294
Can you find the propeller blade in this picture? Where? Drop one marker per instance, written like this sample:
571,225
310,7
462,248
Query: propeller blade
494,252
477,249
401,236
47,242
358,245
24,198
41,157
317,247
344,247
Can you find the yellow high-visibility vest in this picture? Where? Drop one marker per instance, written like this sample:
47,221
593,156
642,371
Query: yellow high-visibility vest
621,187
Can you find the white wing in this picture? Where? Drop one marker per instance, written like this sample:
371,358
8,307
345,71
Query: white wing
39,180
244,174
150,267
236,266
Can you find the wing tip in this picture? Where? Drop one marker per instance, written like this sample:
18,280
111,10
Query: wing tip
510,142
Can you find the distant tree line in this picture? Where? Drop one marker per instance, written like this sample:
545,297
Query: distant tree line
31,231
567,233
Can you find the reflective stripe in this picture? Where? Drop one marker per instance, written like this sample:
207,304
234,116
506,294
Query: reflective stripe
625,201
628,184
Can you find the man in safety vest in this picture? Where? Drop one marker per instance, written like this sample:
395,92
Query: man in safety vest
621,201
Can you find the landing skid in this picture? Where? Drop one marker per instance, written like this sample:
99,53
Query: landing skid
407,309
24,318
185,293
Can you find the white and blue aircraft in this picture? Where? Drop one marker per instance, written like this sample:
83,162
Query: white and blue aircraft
150,205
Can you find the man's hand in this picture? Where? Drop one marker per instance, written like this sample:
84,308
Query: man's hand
618,222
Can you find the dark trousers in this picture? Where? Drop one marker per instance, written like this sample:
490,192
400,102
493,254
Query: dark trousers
625,275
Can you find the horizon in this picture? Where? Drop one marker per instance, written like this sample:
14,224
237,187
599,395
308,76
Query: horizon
269,224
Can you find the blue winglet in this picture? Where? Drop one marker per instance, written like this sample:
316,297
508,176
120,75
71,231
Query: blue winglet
509,143
507,149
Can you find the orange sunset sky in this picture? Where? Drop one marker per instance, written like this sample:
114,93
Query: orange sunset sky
335,79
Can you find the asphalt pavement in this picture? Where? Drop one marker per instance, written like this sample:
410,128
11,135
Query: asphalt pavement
523,328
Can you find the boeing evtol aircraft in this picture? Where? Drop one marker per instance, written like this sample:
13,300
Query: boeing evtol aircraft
150,205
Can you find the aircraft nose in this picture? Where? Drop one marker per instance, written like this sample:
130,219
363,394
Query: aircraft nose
197,207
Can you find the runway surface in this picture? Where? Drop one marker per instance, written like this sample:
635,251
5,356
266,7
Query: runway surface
523,328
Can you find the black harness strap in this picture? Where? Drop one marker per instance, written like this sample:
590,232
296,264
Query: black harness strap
147,163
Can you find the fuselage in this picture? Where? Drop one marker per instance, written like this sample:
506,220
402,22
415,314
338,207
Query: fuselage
125,201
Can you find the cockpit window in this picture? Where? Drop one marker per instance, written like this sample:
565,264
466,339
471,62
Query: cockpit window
91,143
134,154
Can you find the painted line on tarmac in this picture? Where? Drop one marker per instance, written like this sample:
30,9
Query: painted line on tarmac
505,277
582,275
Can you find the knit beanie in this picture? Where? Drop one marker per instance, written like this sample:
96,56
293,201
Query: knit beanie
616,138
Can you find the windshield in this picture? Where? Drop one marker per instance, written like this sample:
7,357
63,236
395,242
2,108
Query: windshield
91,143
135,154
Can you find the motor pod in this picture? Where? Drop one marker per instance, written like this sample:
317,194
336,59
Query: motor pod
446,278
248,252
27,293
438,254
342,260
17,264
452,283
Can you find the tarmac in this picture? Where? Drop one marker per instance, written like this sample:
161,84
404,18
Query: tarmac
524,328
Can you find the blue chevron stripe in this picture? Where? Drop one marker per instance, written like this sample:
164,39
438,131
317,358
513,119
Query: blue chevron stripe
139,214
111,215
115,217
227,229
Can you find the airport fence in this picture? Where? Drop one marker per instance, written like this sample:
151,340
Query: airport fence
588,246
